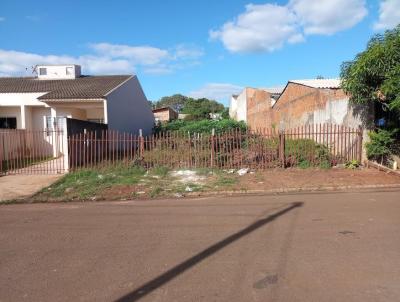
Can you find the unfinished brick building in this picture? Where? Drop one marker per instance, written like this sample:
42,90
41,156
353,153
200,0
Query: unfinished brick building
303,102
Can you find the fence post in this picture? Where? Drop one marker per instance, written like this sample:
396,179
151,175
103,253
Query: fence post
1,153
281,148
360,143
212,147
141,144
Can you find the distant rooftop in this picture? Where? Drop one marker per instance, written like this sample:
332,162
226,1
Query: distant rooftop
319,83
274,90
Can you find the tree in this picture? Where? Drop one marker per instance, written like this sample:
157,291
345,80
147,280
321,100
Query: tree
374,74
176,102
201,108
196,108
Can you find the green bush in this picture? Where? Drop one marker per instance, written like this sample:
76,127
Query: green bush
381,144
202,126
304,152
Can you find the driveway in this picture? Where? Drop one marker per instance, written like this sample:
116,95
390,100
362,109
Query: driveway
303,247
21,185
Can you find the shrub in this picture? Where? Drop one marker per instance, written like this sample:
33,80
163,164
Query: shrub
304,152
203,126
353,164
381,144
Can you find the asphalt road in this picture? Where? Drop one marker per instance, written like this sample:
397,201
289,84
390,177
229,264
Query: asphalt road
304,247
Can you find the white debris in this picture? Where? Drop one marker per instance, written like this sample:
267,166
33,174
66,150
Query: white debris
231,171
188,189
243,171
178,195
187,176
100,176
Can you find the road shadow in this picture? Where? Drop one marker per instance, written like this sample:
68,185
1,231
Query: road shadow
164,278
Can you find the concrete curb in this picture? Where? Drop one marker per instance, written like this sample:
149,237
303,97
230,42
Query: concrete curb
295,190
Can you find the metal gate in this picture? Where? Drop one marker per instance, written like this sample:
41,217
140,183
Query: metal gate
32,152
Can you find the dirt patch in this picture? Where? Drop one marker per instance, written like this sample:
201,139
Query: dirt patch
132,183
315,178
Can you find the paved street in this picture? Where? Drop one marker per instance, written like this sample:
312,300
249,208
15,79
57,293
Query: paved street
300,247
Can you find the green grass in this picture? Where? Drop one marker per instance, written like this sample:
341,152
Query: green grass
87,183
225,180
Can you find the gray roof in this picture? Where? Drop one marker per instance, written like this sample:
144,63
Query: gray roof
319,83
84,87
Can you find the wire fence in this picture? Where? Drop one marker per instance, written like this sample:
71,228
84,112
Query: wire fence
311,145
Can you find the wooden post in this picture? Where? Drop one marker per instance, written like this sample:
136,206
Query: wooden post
360,143
141,144
212,147
281,148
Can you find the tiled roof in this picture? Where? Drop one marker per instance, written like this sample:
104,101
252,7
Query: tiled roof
84,87
319,83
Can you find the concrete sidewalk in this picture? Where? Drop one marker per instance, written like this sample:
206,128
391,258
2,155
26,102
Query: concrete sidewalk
306,247
20,186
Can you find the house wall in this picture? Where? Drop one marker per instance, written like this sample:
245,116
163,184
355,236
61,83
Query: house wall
259,110
59,72
301,105
95,113
238,106
38,115
162,116
165,115
75,113
233,107
128,109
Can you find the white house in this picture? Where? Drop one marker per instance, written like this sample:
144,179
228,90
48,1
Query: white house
34,103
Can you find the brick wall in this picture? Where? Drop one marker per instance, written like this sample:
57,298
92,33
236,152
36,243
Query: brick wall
259,111
301,105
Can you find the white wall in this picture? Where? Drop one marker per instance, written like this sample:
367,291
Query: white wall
76,113
38,115
336,112
17,99
241,106
128,109
58,72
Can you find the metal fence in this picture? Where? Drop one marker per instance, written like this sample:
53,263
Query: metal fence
312,145
32,152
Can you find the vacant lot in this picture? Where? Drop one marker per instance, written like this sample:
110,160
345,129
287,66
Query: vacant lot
122,183
304,247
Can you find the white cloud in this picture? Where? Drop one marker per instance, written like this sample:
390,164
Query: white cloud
260,28
267,27
329,16
144,55
106,58
216,91
389,14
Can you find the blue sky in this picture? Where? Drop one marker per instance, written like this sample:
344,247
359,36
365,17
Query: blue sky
197,48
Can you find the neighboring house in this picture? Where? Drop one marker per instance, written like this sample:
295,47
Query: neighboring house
300,102
60,91
165,114
317,101
252,104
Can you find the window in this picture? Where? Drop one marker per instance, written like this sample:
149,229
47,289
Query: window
8,122
69,70
42,71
